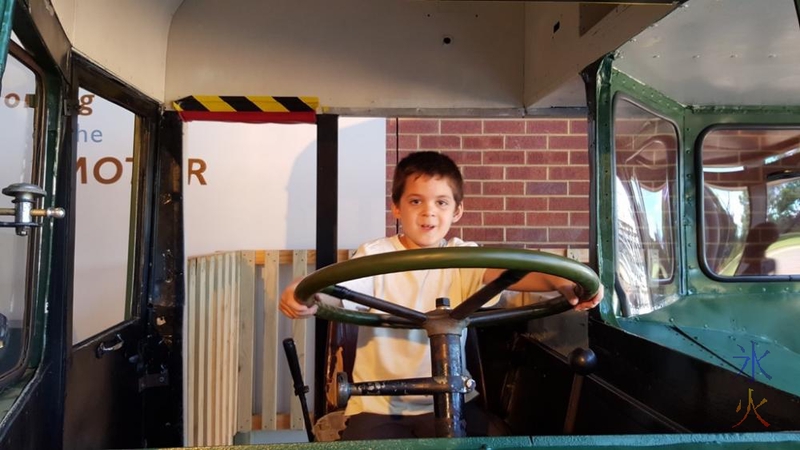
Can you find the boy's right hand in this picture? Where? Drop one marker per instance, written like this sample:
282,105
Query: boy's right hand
293,309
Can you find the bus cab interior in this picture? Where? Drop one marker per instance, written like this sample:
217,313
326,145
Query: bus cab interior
690,115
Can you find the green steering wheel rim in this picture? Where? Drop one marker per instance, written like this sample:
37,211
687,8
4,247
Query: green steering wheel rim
438,258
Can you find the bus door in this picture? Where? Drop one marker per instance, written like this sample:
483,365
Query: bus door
108,368
89,332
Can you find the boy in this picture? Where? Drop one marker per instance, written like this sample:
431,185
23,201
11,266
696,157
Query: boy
427,194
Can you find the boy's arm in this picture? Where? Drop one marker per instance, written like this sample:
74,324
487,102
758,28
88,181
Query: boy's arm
293,309
540,282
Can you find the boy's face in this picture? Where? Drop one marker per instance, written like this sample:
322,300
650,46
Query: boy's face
426,211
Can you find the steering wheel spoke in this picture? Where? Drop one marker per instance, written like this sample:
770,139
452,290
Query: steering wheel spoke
486,293
376,303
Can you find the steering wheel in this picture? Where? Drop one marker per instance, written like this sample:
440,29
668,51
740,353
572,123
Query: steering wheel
444,326
517,263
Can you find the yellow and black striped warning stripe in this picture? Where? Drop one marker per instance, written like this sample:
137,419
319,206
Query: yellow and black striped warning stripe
249,109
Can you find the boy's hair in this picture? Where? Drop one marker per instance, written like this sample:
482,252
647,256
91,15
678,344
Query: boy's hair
430,164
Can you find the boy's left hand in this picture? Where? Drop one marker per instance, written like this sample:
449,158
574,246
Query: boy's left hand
569,292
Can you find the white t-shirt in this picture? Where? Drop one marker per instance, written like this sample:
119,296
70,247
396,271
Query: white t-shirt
388,354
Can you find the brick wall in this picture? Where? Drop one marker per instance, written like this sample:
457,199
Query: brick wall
526,180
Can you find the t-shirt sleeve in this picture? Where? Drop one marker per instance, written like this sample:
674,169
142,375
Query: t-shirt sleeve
472,280
362,285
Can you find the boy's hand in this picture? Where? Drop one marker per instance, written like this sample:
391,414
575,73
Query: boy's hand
570,292
293,309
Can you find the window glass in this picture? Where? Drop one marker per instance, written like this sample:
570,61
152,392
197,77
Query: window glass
17,114
646,164
103,219
751,206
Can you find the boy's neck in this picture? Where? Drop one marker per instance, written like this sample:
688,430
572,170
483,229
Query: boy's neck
405,243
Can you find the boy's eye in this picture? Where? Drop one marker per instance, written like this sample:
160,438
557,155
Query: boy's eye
442,202
414,201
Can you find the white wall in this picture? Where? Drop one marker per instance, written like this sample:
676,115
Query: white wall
260,185
128,38
350,53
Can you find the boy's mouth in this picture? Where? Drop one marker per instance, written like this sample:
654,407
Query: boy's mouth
427,227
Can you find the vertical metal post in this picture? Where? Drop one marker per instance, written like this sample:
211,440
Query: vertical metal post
327,228
447,407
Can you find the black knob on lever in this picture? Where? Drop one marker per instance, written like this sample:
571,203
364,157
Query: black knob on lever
583,362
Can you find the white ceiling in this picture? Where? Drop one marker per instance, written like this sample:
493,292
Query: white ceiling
718,52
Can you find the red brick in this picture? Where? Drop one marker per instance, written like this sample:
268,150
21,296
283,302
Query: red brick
568,173
418,126
526,173
391,141
568,142
526,203
504,218
568,204
408,142
482,142
472,189
483,234
454,232
439,142
579,157
569,235
545,188
483,204
623,142
464,158
547,126
579,219
546,157
461,126
391,125
533,235
504,126
526,142
482,172
547,219
580,126
474,218
390,231
503,188
634,126
503,157
578,188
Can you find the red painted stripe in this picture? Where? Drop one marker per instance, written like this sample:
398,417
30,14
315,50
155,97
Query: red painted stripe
250,117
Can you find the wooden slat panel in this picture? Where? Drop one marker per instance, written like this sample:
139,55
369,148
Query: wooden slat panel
247,297
287,256
225,318
215,350
203,432
269,403
233,350
299,331
190,397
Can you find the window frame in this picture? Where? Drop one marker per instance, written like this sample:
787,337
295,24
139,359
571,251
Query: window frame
675,213
28,359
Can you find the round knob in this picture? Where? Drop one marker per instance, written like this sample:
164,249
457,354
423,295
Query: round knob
583,361
442,302
20,189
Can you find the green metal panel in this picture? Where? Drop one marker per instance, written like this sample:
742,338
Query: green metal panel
774,441
718,314
6,13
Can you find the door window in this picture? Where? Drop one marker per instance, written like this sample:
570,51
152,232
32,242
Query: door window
17,164
646,148
105,138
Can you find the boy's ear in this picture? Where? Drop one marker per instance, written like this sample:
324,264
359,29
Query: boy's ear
395,211
459,212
